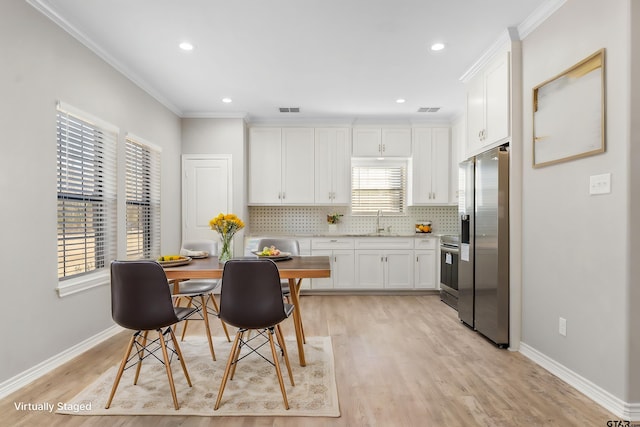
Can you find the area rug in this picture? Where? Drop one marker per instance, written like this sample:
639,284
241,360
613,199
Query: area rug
254,390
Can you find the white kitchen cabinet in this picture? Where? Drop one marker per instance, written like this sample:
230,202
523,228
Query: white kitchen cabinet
332,166
281,166
488,105
425,263
381,142
431,166
384,263
341,256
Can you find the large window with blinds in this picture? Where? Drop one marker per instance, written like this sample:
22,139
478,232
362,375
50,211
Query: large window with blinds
86,185
378,186
143,199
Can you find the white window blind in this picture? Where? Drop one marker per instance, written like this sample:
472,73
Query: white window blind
378,186
86,162
143,199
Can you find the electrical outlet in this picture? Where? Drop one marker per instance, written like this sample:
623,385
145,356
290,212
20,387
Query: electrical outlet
562,326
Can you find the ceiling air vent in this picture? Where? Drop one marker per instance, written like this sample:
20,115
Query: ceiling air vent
428,109
289,109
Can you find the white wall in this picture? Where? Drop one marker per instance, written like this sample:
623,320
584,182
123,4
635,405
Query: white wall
222,136
633,299
43,64
574,260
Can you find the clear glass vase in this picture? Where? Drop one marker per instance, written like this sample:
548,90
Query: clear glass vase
226,248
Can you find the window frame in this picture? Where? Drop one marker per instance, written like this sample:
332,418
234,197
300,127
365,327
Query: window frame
399,209
147,195
100,175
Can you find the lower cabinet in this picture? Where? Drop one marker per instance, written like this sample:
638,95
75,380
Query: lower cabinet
376,263
377,269
425,256
340,253
384,263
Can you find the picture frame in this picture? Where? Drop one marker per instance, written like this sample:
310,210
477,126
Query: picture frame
569,113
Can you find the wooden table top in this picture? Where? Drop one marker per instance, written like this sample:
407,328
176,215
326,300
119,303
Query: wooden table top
298,267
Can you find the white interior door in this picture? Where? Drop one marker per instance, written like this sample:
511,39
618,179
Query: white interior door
206,191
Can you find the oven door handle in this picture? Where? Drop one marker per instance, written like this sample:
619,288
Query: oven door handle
449,249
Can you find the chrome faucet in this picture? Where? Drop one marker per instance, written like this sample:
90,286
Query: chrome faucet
378,229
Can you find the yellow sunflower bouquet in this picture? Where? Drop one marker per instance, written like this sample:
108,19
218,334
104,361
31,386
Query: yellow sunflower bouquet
226,225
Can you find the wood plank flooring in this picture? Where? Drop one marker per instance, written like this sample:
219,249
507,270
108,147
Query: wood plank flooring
400,361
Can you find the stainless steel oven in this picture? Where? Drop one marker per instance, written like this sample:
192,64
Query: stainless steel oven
449,253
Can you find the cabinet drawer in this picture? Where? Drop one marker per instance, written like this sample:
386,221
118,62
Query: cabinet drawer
337,243
384,243
426,243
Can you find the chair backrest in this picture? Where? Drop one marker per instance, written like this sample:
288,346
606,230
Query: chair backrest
140,297
210,246
251,296
285,245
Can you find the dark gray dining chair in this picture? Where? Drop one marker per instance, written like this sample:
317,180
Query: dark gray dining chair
200,292
293,247
141,301
251,300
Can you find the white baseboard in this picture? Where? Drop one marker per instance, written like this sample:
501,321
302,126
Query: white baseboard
621,409
22,379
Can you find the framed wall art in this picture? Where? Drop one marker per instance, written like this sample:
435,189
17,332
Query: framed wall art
569,113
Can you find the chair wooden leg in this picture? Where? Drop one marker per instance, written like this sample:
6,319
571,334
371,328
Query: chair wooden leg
227,369
186,322
205,317
280,338
182,362
238,350
167,365
216,307
140,356
120,371
278,371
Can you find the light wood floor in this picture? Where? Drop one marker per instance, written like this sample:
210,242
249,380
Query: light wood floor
400,361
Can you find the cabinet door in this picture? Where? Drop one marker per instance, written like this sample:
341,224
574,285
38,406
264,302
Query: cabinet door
475,113
396,142
497,103
332,166
421,185
343,269
398,269
342,167
324,282
265,166
369,269
425,269
431,166
440,165
367,142
297,166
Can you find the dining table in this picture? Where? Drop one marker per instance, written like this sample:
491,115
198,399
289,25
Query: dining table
294,269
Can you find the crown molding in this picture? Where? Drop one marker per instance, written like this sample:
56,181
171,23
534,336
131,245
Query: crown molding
214,115
511,35
44,7
538,16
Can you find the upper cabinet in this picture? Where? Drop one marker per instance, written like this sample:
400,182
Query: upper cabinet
488,105
431,166
332,166
381,142
281,166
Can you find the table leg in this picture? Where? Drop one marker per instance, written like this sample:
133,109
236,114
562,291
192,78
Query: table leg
293,287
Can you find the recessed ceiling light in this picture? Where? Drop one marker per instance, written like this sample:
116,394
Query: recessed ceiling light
400,100
186,46
436,47
227,100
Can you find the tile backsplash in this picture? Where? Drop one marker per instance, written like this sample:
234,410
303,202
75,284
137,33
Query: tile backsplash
313,220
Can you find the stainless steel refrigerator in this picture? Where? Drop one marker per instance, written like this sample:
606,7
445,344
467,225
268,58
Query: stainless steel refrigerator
483,264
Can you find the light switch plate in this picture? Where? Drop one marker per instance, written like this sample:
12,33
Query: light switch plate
600,184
